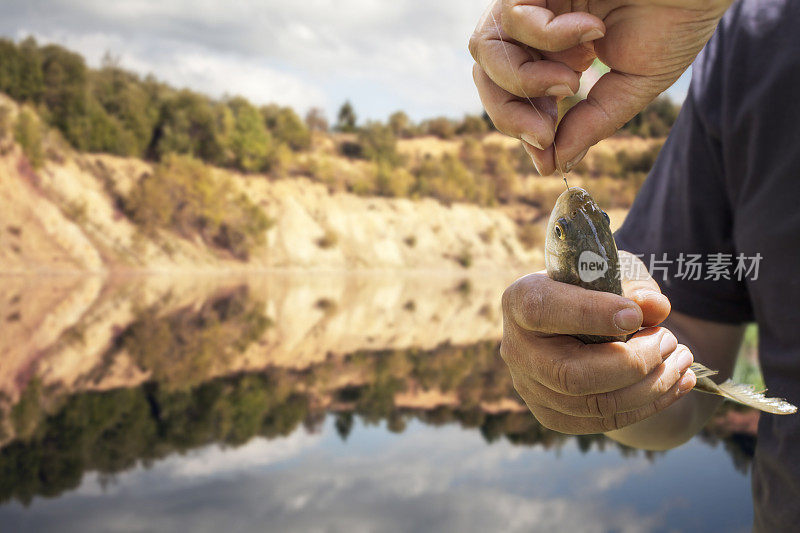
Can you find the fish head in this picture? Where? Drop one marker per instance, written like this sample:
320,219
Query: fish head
579,245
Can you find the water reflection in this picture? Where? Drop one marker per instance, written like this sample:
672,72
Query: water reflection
108,383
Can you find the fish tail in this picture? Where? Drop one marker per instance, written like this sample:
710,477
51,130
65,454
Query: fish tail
747,395
701,371
740,393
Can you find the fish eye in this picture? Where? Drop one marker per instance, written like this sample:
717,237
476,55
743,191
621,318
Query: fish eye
605,216
559,229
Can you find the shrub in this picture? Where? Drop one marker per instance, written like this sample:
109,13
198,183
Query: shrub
464,258
400,124
286,127
472,155
315,120
446,179
328,240
379,144
183,195
393,182
472,125
441,127
250,141
28,133
655,120
501,172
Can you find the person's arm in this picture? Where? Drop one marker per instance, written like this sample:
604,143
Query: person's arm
714,344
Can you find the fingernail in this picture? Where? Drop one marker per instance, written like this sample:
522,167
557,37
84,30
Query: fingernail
687,382
685,360
530,139
668,344
591,35
643,295
533,159
536,166
559,90
575,160
627,319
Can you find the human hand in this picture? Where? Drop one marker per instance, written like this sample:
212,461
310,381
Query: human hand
578,388
647,44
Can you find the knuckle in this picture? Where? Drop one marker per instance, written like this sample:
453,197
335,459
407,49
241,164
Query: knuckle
571,377
602,405
617,421
474,45
532,305
637,361
508,297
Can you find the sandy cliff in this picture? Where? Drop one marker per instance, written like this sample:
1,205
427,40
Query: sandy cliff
66,215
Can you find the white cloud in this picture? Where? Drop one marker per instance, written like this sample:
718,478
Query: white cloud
404,54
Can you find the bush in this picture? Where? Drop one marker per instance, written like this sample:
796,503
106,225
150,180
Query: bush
379,144
183,195
655,120
472,125
286,127
187,125
28,133
448,180
501,172
441,127
400,124
250,141
315,120
394,182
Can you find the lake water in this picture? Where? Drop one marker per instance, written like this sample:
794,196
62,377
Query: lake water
313,403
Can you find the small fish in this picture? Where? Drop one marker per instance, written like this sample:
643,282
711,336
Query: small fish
580,250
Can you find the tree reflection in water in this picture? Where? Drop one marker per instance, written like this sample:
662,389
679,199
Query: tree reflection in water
53,438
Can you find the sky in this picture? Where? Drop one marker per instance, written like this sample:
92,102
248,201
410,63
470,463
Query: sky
383,56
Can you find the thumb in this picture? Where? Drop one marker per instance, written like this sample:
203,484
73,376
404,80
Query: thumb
614,100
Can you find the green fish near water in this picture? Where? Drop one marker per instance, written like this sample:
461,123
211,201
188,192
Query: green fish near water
580,250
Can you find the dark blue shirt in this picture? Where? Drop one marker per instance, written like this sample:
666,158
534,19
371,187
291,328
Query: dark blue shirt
728,181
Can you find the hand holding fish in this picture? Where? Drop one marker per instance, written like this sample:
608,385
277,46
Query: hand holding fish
535,50
574,387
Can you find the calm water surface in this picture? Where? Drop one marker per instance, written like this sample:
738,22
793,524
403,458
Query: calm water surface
335,403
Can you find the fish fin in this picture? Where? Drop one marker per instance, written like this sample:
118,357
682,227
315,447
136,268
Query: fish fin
747,395
701,371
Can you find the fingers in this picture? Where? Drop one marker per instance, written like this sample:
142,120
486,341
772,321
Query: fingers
606,405
520,71
536,303
516,117
529,22
576,425
566,365
614,100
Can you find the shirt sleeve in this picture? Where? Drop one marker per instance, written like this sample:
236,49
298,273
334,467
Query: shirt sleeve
682,211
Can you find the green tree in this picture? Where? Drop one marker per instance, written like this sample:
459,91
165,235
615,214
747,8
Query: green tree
187,125
346,119
400,124
65,93
250,141
285,126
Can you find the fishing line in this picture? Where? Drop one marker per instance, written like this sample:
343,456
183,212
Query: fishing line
522,89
